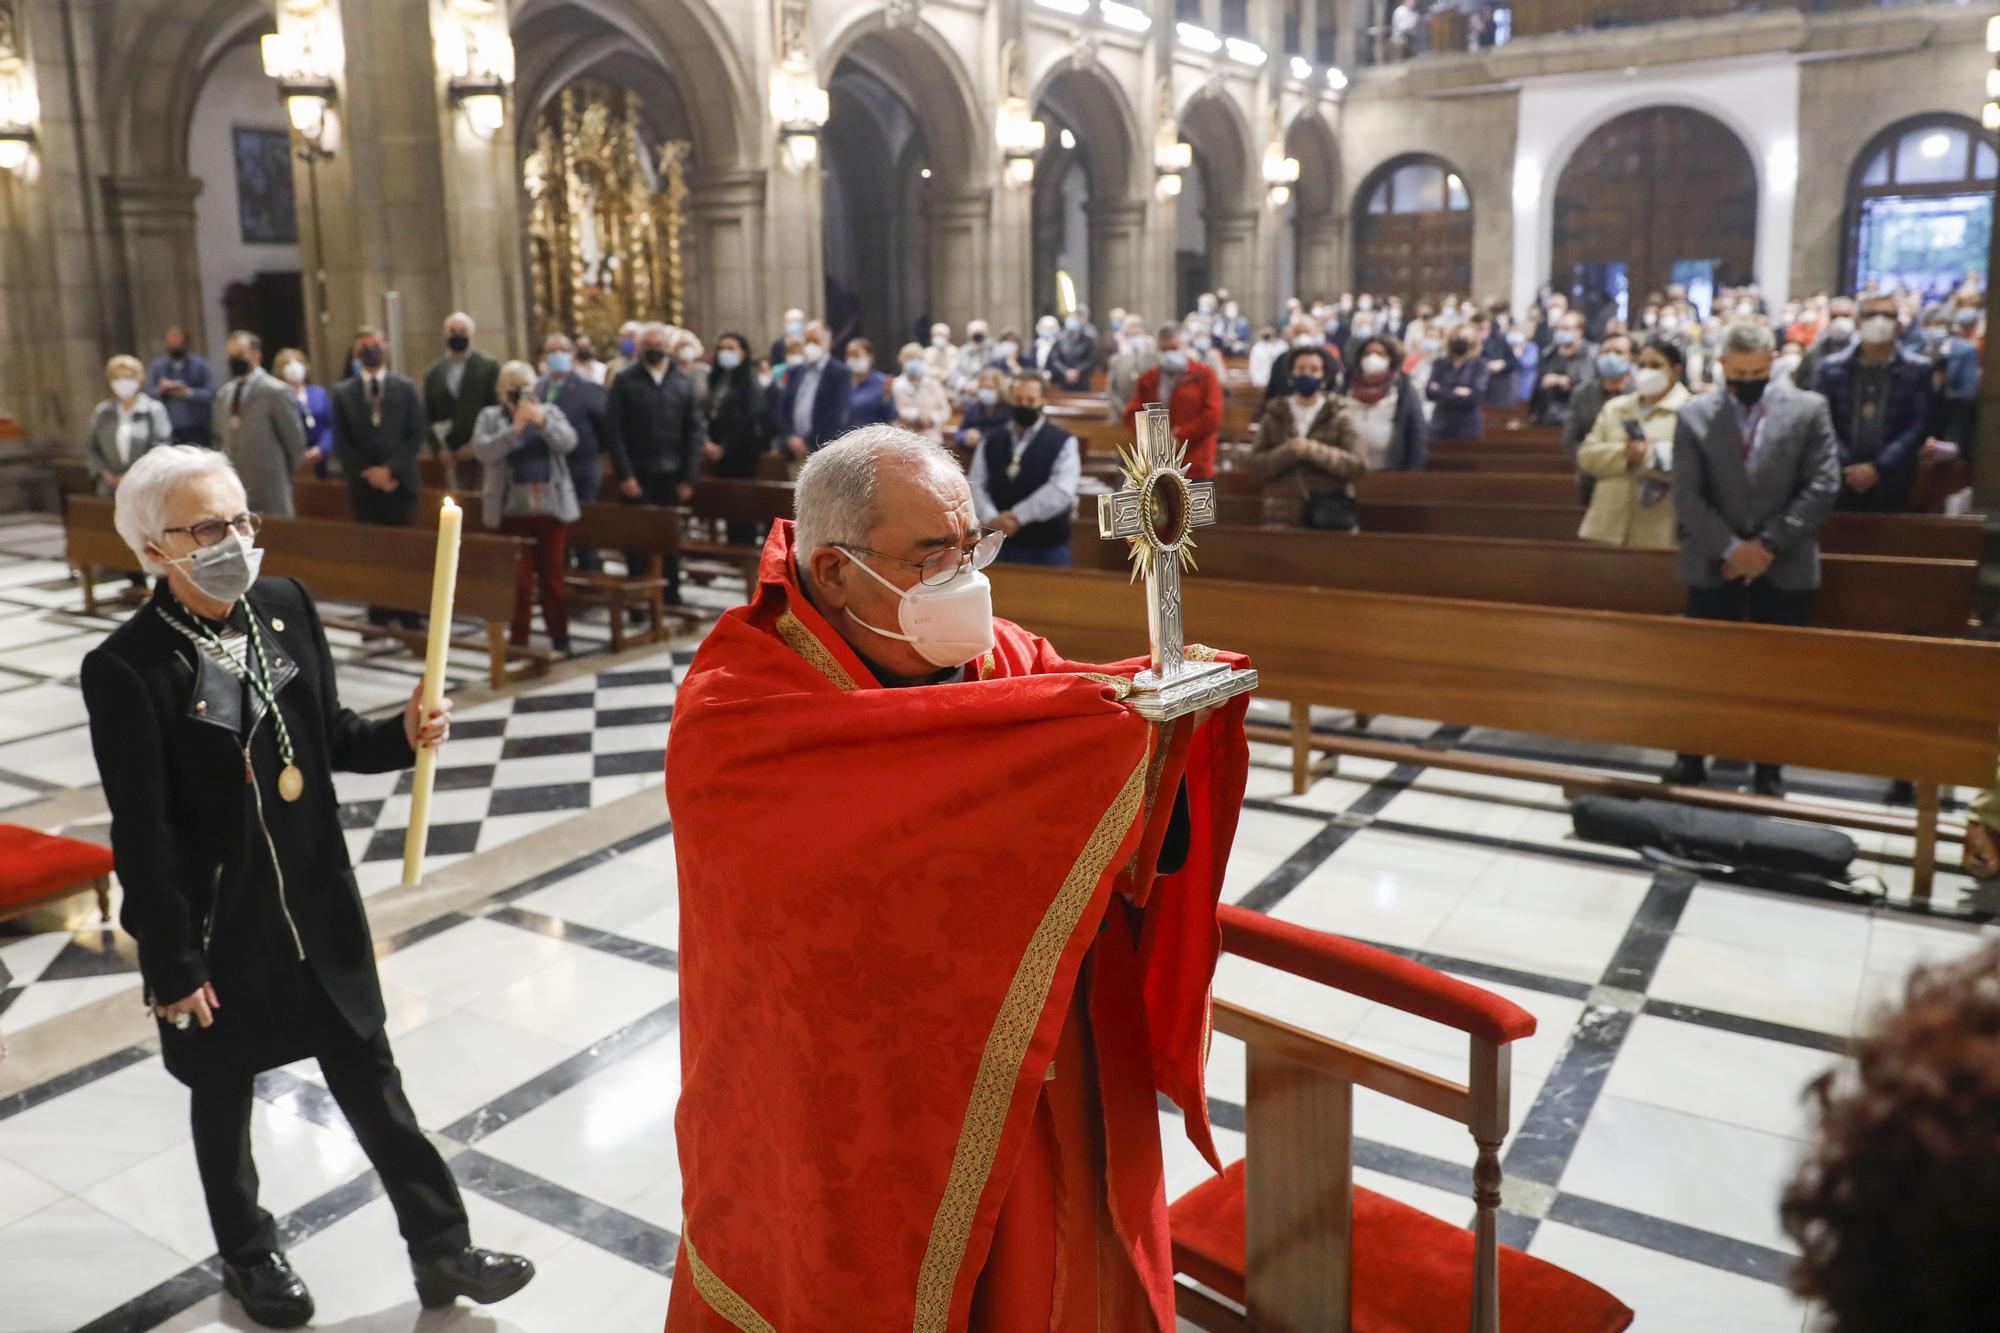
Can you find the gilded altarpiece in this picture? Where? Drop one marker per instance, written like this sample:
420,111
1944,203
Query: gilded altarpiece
605,217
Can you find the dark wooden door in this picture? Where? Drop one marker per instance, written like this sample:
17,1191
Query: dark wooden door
1417,256
1654,186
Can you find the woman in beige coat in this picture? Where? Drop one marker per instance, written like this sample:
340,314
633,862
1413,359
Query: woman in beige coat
1630,453
1309,452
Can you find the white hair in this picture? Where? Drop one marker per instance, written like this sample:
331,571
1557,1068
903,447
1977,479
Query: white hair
514,372
471,327
140,510
653,326
1746,335
834,503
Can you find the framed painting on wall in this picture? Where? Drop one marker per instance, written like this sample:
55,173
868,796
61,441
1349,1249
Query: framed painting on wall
265,206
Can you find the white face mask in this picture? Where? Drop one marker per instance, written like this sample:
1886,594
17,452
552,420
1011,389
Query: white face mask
295,372
1650,381
913,369
813,353
1047,330
860,365
1840,328
1374,364
941,338
948,624
223,572
1007,351
1878,329
125,388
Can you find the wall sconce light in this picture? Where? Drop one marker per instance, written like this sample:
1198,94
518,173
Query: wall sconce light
1280,174
1021,137
800,108
1336,79
476,53
1172,155
303,57
20,109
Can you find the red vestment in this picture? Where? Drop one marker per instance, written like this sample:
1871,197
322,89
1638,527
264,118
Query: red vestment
886,899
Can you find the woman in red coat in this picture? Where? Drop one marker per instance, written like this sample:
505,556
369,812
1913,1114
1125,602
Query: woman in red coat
1193,395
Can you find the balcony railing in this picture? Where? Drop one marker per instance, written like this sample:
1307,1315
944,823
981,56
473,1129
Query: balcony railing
1439,27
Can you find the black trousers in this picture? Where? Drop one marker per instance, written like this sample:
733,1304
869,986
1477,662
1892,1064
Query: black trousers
658,488
393,509
364,1080
1755,603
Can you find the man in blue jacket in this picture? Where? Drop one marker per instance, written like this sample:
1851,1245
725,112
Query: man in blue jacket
184,382
813,408
1879,397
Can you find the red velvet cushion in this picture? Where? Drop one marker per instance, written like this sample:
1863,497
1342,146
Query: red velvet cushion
33,865
1412,1272
1373,974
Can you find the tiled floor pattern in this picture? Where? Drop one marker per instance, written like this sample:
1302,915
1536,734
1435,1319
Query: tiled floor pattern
1656,1110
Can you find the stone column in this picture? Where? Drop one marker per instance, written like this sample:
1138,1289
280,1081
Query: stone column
1008,264
1117,255
1235,249
962,287
724,234
158,268
1319,259
794,269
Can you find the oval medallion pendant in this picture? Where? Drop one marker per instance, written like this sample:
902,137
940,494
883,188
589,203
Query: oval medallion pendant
291,782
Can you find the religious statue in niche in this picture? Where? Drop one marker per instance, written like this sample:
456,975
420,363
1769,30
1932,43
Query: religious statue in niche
605,214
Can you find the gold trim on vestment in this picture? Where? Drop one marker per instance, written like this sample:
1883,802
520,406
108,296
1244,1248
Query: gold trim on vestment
1121,685
719,1297
1000,1063
1198,652
987,666
807,645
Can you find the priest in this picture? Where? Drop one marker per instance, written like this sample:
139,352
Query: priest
947,931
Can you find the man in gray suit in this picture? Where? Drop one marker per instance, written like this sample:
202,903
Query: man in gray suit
1756,472
257,426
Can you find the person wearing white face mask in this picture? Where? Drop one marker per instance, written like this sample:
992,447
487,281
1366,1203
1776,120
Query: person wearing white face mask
315,407
812,408
1266,350
1193,395
1880,399
870,398
1387,410
1007,354
944,768
1041,352
125,425
940,356
922,405
217,726
1629,454
1121,377
1076,354
973,357
1835,338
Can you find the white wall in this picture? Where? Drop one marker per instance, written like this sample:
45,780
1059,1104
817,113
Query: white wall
237,93
1757,97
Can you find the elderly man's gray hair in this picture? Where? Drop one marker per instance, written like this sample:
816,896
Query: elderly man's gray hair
1747,335
140,510
834,503
513,373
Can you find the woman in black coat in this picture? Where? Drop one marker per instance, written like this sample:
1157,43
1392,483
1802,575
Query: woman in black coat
739,421
217,726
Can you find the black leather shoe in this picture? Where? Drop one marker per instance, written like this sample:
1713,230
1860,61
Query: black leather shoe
1688,771
269,1292
481,1276
1768,781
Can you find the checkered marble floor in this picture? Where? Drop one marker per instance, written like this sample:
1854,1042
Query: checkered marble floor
1656,1110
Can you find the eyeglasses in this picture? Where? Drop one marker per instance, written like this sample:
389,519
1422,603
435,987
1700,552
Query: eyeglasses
212,530
941,567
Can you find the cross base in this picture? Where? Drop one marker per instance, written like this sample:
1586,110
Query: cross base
1196,686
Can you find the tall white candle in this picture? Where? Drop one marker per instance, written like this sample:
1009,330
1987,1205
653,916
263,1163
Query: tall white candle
444,582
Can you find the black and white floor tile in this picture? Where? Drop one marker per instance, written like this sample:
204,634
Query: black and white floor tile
1656,1110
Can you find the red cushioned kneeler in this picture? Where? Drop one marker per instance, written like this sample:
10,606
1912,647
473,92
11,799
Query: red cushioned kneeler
1412,1272
38,868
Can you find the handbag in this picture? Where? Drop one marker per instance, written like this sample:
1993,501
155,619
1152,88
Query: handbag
1332,511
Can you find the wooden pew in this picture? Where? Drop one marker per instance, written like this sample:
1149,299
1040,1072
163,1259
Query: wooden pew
392,569
1919,536
1880,594
1924,709
1548,465
1483,488
725,500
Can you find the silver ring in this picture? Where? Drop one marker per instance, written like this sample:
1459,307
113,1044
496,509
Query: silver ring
181,1022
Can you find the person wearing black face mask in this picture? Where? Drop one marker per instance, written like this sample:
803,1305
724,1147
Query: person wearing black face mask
459,386
1024,479
1755,474
1457,387
183,381
378,432
256,425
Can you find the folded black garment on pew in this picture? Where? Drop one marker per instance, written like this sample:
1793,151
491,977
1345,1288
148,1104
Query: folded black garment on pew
1720,844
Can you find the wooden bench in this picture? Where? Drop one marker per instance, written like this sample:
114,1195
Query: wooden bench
1483,488
1881,594
1920,536
381,566
1547,465
722,501
1923,709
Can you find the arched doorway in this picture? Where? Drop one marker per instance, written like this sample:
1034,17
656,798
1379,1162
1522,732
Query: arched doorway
621,121
1306,254
1628,221
896,156
1413,231
1082,183
1920,206
1214,224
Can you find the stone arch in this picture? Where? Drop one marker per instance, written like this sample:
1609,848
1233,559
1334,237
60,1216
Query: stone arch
1884,175
1222,209
1109,151
1312,250
1416,247
709,102
915,60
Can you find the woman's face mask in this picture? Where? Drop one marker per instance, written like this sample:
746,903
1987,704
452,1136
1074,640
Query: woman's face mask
223,572
948,624
125,388
729,358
